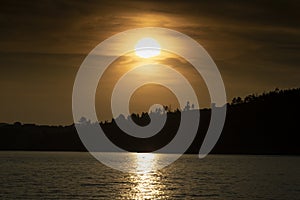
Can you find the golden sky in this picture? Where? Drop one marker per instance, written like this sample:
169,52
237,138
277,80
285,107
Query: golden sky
149,94
255,44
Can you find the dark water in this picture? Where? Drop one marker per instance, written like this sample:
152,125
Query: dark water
59,175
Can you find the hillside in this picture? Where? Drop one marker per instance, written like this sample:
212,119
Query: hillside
257,124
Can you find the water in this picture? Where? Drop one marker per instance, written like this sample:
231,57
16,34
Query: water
72,175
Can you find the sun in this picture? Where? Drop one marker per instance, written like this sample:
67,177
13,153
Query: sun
147,47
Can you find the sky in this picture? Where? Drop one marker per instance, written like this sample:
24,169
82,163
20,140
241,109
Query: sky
255,44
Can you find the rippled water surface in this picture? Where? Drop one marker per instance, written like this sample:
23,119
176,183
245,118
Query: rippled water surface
62,175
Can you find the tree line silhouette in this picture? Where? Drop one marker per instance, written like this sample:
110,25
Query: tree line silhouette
257,124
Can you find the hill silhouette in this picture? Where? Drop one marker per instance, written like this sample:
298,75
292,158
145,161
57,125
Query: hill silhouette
257,124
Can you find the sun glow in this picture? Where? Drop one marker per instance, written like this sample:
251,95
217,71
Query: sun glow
147,47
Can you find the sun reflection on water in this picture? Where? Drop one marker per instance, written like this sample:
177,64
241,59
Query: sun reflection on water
145,162
147,183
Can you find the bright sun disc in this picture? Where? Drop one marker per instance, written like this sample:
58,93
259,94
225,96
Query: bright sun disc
147,47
